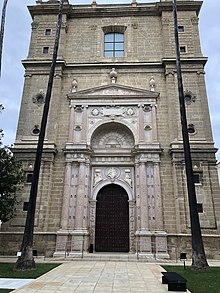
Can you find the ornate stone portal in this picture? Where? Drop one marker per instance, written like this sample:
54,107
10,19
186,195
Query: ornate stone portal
113,146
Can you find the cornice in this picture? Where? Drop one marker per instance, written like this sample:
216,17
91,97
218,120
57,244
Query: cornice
113,10
164,62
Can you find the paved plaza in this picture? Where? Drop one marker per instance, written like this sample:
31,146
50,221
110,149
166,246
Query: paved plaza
100,277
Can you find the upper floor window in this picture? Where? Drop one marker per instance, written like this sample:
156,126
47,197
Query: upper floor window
181,29
114,44
47,32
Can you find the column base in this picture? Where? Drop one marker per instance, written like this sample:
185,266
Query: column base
161,245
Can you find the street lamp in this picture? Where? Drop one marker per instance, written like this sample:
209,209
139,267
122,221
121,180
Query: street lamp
26,260
199,261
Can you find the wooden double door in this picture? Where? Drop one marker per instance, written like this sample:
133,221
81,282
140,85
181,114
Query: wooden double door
112,220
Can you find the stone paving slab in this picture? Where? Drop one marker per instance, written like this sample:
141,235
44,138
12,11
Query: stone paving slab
99,277
7,283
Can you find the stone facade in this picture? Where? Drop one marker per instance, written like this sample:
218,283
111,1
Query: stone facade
115,121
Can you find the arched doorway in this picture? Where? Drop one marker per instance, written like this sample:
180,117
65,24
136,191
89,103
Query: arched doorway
112,220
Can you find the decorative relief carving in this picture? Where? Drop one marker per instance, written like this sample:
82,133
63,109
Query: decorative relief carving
189,97
112,173
147,127
39,98
74,86
113,75
113,111
194,20
78,128
200,72
166,21
134,25
34,24
152,84
93,27
130,111
97,177
147,107
78,108
95,112
128,177
169,72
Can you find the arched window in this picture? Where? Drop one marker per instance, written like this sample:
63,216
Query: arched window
114,44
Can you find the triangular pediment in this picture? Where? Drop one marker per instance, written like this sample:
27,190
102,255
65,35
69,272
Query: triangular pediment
114,90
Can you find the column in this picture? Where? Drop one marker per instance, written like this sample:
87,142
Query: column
160,234
80,196
80,234
145,247
141,125
154,123
62,234
71,123
143,197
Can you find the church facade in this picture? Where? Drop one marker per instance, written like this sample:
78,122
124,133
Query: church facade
113,173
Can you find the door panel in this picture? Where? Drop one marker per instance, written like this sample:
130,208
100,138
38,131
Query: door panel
112,220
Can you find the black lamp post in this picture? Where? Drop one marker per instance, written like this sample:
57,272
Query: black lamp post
199,261
26,260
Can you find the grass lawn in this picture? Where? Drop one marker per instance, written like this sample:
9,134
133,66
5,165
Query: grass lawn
6,271
199,282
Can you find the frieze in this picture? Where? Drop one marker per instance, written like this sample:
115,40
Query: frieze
113,111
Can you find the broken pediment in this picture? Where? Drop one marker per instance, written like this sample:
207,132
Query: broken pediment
115,90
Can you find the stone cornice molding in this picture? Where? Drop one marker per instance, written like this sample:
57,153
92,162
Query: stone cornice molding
107,10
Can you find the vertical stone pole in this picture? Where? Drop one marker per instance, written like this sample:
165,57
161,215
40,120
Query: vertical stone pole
144,233
80,233
66,197
141,125
84,125
154,123
137,197
160,234
86,219
80,196
158,199
132,225
71,123
92,221
62,234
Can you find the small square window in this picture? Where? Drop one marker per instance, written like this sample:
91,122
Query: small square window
25,206
45,50
48,32
29,177
199,207
182,49
181,29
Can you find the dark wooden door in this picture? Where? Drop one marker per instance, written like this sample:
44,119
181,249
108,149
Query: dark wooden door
112,220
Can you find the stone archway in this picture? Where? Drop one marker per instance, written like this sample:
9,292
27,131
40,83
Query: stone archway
112,220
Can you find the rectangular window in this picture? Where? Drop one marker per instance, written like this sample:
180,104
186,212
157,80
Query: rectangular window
182,49
45,50
25,206
48,32
197,177
29,177
114,45
199,207
181,28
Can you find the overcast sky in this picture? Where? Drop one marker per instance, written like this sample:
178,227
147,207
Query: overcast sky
16,42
